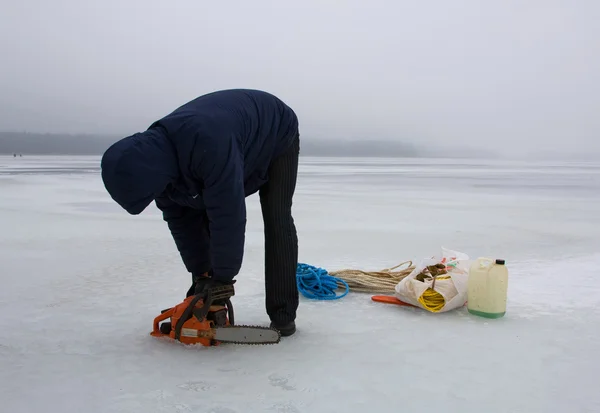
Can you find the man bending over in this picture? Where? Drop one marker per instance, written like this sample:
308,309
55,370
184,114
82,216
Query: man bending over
198,164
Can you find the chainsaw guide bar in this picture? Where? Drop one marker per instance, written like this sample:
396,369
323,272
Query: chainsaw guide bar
247,335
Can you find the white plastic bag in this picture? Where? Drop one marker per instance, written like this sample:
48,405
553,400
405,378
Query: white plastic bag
452,286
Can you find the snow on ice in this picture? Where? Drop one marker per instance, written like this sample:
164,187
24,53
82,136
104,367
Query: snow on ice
82,282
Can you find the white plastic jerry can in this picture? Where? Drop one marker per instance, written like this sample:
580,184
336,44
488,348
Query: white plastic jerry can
487,288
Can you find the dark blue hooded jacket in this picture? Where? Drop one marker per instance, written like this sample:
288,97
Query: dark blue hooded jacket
203,160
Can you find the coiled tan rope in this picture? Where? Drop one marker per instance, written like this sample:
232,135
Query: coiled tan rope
382,281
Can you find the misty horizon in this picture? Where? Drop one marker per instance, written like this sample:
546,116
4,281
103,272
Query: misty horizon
506,79
23,143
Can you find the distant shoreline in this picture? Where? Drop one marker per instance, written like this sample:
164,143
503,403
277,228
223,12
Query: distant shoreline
63,144
53,144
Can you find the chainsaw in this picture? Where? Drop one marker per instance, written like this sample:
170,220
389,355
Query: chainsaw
199,320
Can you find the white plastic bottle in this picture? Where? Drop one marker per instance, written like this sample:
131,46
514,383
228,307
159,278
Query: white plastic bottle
487,288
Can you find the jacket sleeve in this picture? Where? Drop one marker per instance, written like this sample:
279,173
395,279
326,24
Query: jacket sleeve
189,230
220,166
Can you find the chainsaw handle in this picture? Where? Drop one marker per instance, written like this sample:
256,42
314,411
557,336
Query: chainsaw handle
163,316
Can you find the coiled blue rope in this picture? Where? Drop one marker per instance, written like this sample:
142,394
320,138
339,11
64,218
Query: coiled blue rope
317,284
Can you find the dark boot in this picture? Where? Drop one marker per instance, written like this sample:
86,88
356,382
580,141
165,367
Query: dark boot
221,310
204,285
205,280
286,329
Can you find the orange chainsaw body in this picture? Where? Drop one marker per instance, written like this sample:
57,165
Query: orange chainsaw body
193,330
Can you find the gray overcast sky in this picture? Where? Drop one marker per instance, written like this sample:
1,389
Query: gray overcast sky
522,74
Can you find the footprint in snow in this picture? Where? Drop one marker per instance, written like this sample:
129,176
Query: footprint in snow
179,408
284,408
222,410
196,386
232,370
281,382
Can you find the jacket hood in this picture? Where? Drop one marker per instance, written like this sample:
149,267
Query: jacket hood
136,169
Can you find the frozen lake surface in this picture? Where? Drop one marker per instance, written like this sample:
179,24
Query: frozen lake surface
82,281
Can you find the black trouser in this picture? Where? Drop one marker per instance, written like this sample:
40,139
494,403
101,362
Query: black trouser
281,239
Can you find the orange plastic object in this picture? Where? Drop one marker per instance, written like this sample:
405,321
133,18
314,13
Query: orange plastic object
388,299
193,331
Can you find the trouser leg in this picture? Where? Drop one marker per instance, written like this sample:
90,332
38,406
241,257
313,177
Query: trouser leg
281,239
204,270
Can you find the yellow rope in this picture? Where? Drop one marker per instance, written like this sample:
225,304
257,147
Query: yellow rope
432,300
383,281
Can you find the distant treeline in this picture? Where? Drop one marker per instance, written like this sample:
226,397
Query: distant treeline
27,143
53,144
62,144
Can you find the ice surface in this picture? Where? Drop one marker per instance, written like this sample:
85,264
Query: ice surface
82,281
